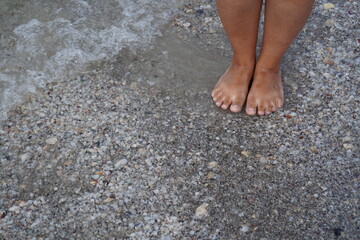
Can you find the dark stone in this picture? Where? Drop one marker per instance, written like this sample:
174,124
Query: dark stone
338,231
200,11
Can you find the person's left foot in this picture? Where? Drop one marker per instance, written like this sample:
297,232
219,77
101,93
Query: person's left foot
266,94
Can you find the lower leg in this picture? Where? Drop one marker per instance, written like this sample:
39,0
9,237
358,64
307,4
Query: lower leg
240,19
284,19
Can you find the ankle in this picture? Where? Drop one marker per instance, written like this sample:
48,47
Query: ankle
246,66
267,68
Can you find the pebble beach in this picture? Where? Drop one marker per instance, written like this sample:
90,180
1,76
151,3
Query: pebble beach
132,147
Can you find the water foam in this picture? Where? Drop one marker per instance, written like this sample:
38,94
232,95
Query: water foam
59,38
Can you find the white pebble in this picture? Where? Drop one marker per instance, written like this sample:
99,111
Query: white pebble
348,146
202,210
213,164
121,163
51,141
186,24
263,160
148,162
244,228
24,157
14,209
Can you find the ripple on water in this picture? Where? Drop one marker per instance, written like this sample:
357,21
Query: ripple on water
47,40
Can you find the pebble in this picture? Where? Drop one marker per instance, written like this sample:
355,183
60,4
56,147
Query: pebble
202,211
282,148
133,86
329,22
211,175
105,131
244,228
24,157
14,209
148,162
245,153
347,139
108,200
313,149
263,160
276,212
41,114
348,146
328,6
166,238
208,19
34,224
213,164
187,24
121,163
51,141
200,11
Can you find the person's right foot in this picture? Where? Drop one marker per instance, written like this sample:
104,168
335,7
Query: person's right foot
232,88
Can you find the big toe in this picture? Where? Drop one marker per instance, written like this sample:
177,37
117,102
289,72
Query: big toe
251,109
237,105
235,108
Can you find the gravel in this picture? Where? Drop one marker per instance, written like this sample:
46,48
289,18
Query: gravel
135,149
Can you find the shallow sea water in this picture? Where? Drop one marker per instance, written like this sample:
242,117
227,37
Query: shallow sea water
46,40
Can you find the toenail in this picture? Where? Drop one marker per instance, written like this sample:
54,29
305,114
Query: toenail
218,104
224,107
267,113
251,110
235,108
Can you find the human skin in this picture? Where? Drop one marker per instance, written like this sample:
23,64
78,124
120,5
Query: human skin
284,19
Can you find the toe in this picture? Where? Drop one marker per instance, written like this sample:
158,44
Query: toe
268,110
274,107
225,104
261,110
250,109
235,108
280,103
214,92
217,98
216,95
236,105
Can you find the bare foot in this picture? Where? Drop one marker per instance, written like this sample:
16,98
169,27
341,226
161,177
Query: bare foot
266,94
232,88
